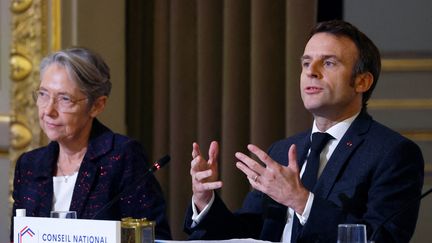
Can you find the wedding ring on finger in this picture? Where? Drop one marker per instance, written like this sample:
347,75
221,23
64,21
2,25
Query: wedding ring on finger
255,178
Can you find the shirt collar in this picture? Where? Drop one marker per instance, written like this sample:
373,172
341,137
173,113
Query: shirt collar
337,130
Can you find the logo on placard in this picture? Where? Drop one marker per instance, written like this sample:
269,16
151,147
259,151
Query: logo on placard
25,232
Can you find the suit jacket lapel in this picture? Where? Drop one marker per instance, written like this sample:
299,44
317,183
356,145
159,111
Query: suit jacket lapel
83,185
303,148
100,142
349,143
43,180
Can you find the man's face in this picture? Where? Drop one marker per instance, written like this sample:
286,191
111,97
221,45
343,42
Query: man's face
326,83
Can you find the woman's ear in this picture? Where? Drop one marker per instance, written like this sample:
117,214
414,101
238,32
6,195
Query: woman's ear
363,82
98,106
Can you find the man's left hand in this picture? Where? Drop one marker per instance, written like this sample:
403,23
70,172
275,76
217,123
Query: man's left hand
281,183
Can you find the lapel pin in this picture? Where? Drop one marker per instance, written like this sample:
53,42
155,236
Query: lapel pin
349,144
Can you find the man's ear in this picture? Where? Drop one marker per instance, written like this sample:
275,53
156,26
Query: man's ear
98,106
363,82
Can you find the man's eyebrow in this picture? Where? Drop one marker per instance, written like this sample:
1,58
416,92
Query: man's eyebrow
322,57
302,58
329,56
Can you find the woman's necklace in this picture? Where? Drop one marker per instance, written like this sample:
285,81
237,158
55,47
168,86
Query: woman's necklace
66,177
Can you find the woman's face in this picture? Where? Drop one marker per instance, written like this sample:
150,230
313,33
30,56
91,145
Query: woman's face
64,113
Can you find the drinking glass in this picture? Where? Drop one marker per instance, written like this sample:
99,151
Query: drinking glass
63,214
352,233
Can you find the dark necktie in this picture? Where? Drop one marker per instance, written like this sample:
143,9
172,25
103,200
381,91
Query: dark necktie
310,175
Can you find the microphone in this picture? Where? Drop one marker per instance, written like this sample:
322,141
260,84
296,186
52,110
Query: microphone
159,164
403,209
156,166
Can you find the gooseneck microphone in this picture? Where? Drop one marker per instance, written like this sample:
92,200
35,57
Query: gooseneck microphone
401,210
159,164
156,166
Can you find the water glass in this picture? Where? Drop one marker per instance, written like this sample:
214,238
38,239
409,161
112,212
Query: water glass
63,214
352,233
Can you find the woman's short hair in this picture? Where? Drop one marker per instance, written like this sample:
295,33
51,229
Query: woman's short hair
85,67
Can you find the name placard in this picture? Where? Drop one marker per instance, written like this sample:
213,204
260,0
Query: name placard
53,230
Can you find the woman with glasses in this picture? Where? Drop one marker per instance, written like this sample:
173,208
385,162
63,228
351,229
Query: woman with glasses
86,165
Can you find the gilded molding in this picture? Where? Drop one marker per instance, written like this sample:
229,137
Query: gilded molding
19,6
29,44
394,104
21,67
407,64
4,118
428,169
21,136
29,39
4,140
56,25
424,136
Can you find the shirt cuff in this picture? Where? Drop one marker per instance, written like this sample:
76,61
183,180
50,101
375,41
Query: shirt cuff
304,217
197,217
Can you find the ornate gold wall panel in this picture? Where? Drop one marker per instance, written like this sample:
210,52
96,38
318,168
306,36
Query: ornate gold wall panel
31,39
28,47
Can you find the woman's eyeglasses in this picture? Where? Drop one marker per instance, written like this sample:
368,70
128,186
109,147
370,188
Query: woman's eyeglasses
65,102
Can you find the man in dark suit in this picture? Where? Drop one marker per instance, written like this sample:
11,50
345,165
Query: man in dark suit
363,172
